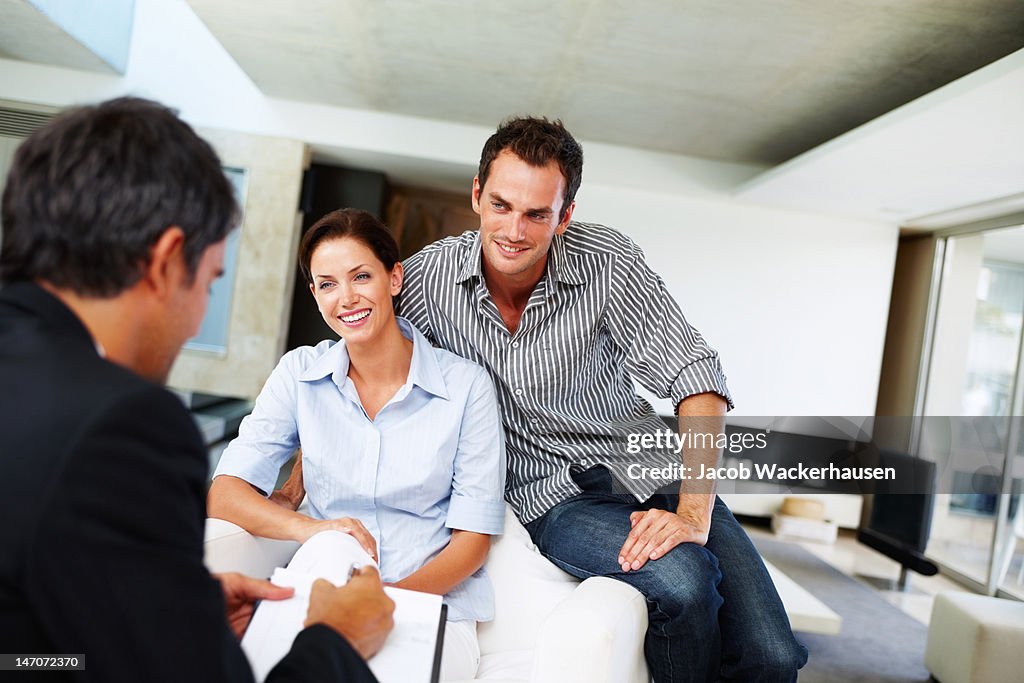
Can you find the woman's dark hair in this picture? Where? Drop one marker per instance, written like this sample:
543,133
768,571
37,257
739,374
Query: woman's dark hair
353,223
90,193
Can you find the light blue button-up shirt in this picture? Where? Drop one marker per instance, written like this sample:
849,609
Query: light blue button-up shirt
431,461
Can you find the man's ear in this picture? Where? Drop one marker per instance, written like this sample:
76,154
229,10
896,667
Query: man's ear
166,267
476,194
565,219
397,278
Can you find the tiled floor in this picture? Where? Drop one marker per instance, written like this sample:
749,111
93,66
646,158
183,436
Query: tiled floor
857,560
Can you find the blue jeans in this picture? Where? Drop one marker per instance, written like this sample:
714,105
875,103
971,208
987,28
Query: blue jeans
713,611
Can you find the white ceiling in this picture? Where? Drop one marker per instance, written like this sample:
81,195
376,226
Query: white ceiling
743,81
411,88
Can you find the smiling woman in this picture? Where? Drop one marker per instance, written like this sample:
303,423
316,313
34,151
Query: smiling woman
353,273
402,445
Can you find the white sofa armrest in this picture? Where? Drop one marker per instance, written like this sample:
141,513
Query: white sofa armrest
230,548
596,635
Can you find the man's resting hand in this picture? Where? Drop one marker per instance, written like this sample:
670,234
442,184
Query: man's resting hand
655,532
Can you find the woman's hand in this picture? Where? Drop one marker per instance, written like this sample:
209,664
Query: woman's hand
237,501
348,525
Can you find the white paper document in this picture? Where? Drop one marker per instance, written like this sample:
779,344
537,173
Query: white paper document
408,653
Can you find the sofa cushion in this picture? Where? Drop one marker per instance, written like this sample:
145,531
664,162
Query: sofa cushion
526,588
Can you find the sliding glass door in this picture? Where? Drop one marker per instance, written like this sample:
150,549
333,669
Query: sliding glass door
973,393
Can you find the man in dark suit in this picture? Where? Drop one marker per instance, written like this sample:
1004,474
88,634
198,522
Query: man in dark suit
114,222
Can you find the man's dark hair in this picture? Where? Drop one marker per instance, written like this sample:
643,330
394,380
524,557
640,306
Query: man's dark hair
89,194
354,224
537,141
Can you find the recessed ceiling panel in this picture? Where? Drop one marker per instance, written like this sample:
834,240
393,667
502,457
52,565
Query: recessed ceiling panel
743,81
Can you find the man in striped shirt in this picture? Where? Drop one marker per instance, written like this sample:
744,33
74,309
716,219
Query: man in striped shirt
565,316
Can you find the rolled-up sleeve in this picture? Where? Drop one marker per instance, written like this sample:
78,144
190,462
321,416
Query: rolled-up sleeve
478,481
666,354
268,436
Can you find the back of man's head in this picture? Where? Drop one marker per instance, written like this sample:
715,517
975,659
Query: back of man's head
89,194
537,141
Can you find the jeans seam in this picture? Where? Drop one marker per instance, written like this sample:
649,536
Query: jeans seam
666,649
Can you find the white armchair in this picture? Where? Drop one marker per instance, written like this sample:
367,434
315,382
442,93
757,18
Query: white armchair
548,627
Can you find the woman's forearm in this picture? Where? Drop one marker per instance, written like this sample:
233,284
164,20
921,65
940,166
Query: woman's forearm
464,554
237,501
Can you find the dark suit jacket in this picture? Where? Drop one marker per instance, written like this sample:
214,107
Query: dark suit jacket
101,518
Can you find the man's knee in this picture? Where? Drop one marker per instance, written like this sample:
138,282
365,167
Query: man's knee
786,661
775,661
683,583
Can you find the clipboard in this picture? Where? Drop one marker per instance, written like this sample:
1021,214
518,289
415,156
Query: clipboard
435,673
412,651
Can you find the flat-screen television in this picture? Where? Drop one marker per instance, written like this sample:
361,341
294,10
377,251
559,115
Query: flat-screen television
900,519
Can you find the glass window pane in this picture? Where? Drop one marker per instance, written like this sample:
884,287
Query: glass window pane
974,361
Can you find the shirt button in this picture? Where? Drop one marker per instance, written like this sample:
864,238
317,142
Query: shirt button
519,392
515,345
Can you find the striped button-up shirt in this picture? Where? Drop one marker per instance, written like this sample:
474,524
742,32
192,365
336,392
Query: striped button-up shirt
597,320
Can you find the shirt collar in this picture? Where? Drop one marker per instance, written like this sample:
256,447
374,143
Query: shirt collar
472,265
424,370
560,266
